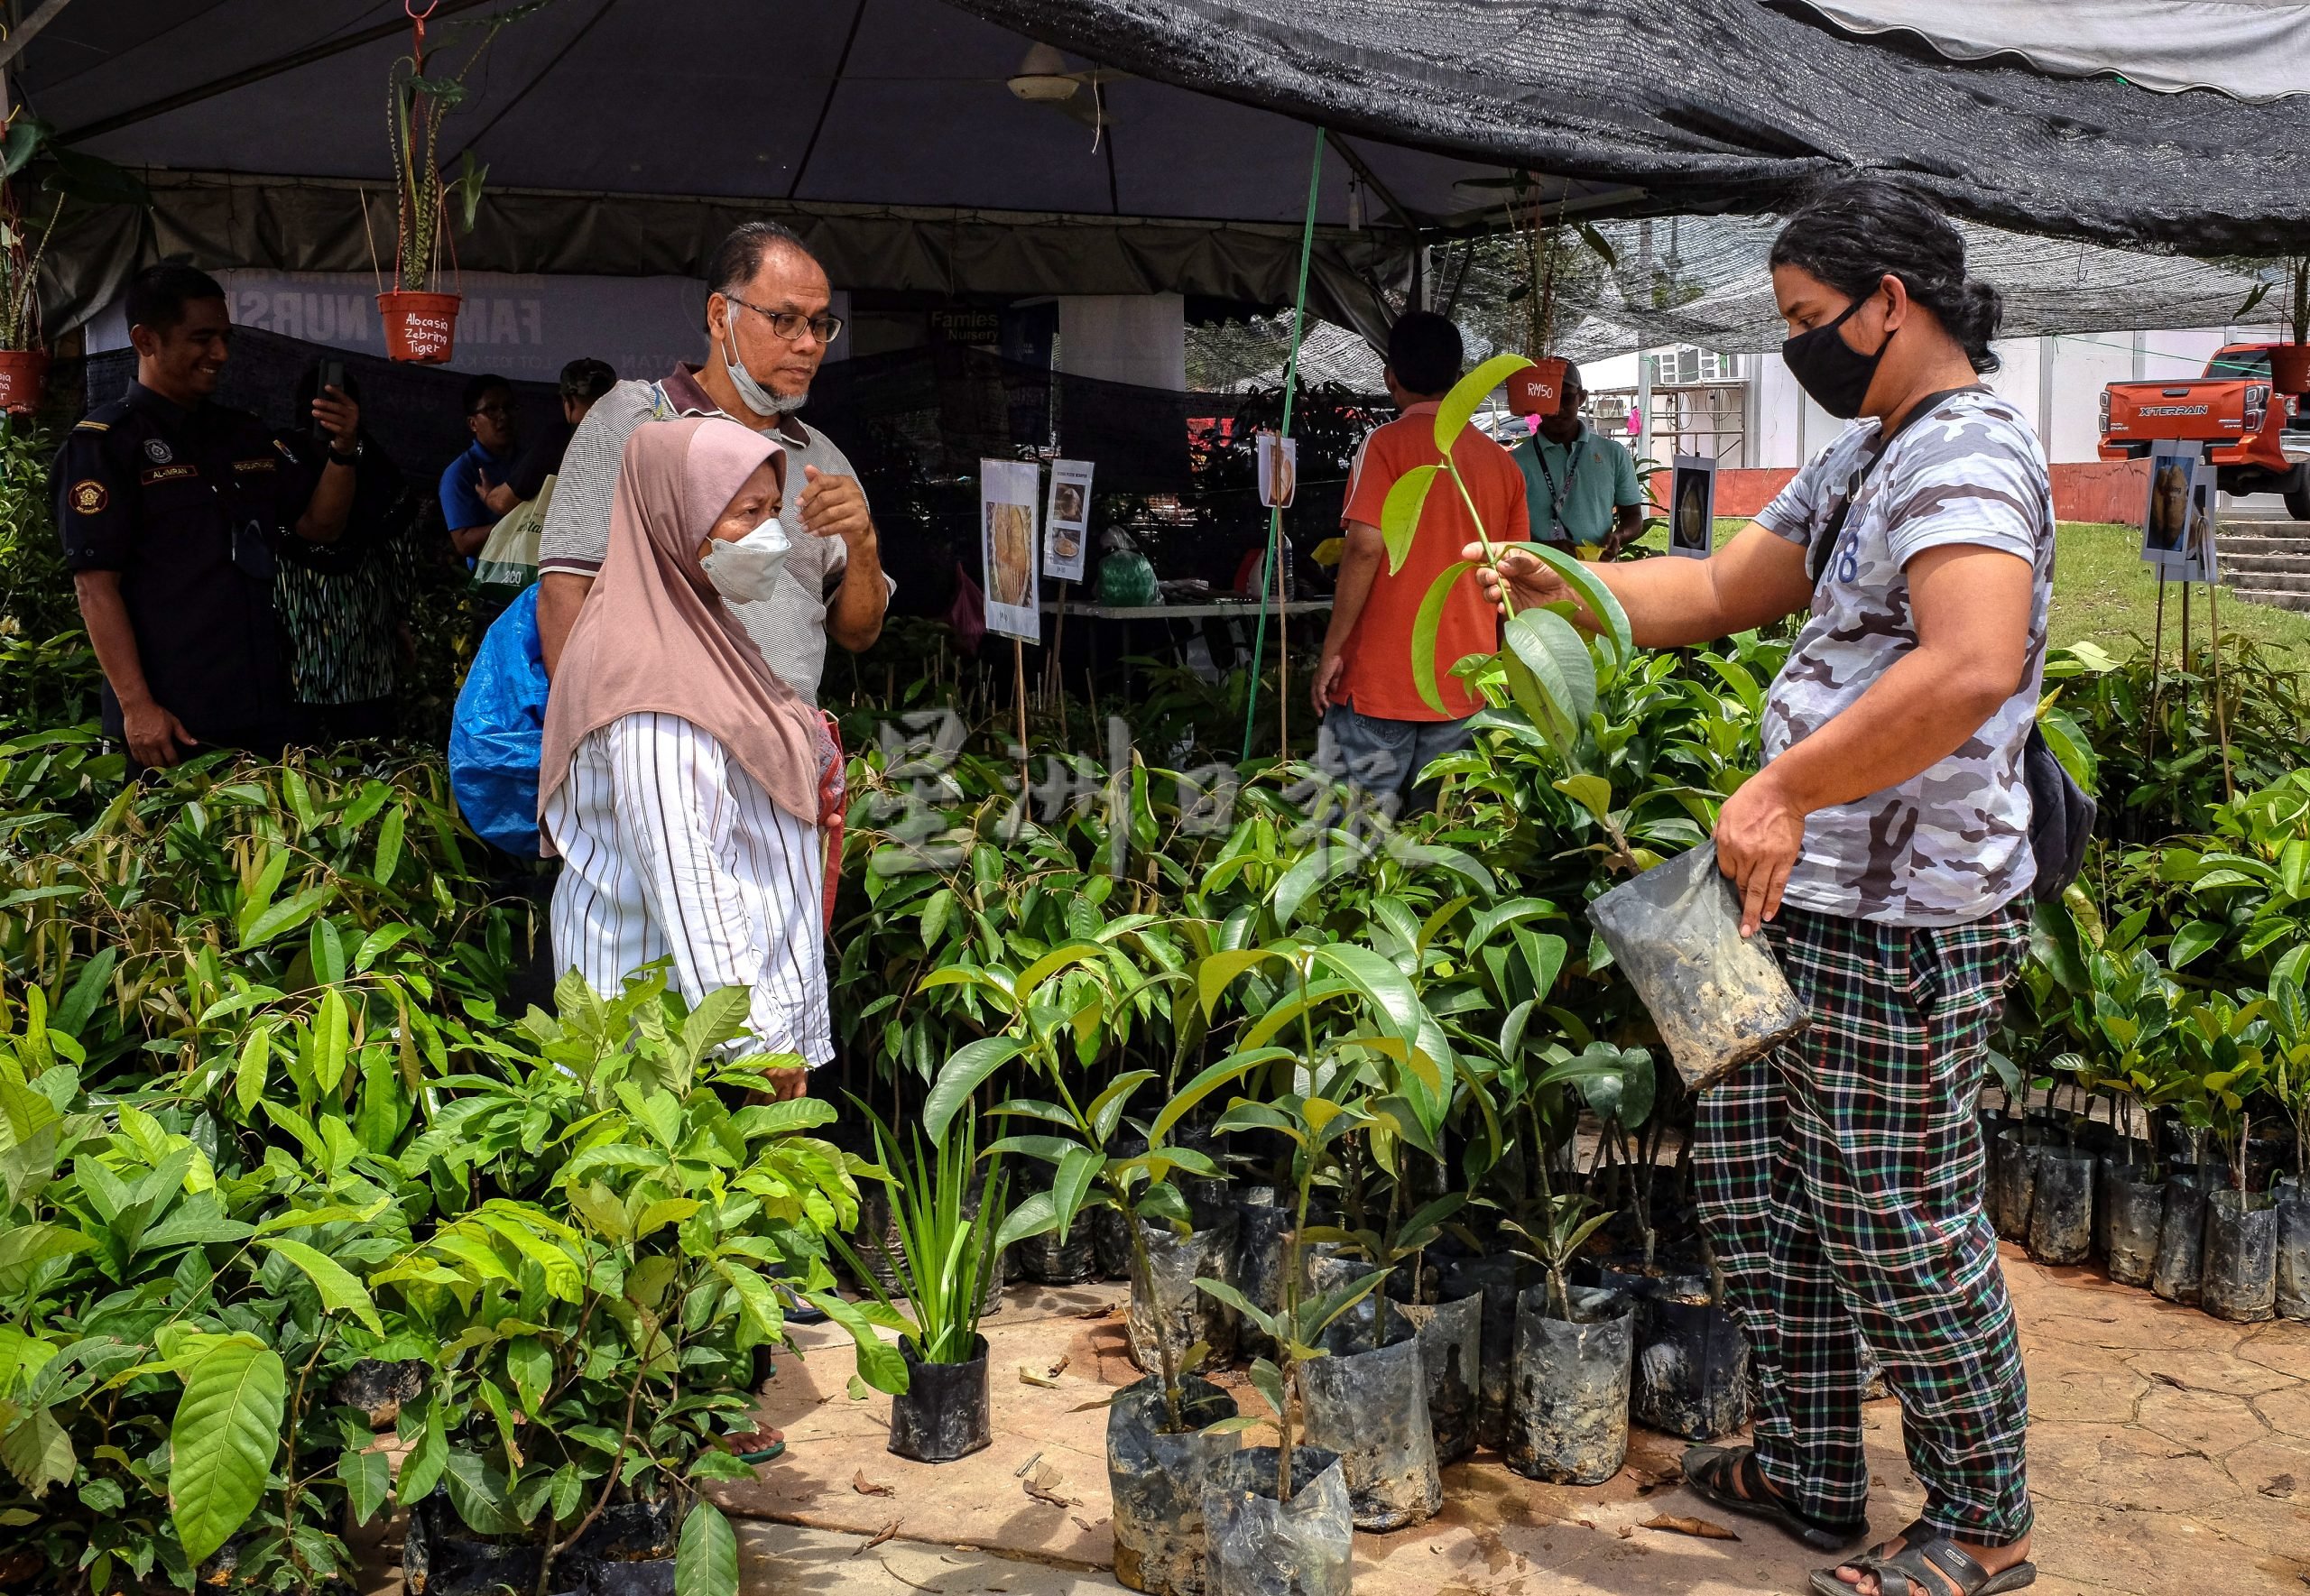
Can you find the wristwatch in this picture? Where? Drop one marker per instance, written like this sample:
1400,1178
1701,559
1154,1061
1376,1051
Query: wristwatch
347,458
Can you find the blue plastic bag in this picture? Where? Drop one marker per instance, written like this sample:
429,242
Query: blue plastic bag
498,734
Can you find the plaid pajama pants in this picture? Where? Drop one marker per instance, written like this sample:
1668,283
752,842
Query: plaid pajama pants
1839,1184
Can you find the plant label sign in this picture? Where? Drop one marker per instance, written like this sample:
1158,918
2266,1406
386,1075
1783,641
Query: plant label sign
1278,458
2165,516
1067,524
1691,506
1006,504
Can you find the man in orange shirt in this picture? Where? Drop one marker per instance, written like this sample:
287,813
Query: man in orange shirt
1377,732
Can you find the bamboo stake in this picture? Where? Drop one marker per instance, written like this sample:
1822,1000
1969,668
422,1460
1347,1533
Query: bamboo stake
2220,720
1018,692
2157,668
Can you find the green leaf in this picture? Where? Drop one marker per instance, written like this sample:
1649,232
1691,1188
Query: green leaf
421,1471
2191,940
1319,867
1425,626
248,1076
332,1037
368,1477
389,835
222,1441
1075,1172
972,1063
1400,514
1549,647
879,1364
1235,1067
1036,1215
706,1559
1596,594
282,919
1592,793
1467,394
341,1291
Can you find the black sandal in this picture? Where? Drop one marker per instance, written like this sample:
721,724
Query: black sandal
1935,1565
1731,1478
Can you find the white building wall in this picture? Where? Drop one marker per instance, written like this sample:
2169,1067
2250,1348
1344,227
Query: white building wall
2055,382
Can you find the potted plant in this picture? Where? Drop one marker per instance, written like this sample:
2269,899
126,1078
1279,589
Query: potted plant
25,229
2290,360
593,1332
420,321
1331,1098
947,1254
1568,1416
1062,1013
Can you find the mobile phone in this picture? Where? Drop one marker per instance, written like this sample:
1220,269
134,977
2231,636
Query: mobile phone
332,376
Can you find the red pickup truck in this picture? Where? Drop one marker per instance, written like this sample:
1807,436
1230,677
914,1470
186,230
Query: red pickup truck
2260,439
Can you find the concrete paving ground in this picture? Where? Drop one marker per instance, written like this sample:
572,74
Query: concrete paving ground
2169,1455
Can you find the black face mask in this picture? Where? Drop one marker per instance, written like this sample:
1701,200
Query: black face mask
1835,373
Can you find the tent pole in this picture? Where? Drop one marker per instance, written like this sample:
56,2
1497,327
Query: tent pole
2156,671
1272,565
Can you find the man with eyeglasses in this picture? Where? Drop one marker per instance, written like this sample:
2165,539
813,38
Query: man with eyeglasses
467,482
767,322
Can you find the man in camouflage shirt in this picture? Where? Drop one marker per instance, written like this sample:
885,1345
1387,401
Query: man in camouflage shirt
1884,848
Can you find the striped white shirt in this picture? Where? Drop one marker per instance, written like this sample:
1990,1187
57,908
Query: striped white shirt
668,846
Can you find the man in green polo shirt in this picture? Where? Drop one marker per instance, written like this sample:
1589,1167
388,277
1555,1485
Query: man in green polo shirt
1580,485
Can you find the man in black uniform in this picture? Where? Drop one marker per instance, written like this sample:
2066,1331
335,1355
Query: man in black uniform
172,509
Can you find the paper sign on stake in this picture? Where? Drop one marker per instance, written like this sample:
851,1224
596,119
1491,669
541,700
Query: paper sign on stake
1006,504
1278,458
1691,506
1066,525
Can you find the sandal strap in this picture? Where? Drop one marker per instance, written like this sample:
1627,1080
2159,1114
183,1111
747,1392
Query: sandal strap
1918,1564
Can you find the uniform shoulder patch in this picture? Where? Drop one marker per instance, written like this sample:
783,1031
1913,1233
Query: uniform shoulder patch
87,426
89,497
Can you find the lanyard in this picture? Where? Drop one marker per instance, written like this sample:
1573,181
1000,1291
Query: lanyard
1572,453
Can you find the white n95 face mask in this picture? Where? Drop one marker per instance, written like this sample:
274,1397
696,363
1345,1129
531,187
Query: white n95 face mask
746,571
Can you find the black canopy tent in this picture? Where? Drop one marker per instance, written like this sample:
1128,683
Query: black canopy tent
622,136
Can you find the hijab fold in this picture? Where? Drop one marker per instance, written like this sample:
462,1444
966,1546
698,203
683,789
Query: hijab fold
654,636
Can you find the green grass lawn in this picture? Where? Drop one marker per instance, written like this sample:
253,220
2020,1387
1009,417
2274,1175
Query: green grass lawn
2104,595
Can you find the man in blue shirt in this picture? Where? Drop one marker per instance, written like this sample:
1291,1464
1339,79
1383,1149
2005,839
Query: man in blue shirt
1580,486
466,484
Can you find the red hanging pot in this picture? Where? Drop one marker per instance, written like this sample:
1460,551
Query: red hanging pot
23,379
420,328
2291,368
1537,389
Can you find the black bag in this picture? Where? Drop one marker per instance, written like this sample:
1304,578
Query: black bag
2061,812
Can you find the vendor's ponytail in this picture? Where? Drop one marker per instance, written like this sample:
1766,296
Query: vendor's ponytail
1858,231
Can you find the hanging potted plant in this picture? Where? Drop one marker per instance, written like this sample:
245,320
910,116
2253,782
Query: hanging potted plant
2290,360
420,321
25,229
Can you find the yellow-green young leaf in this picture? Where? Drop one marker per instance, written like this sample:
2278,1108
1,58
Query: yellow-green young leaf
1400,514
332,1034
528,1363
37,1451
388,846
1424,628
1592,793
1467,393
228,1426
705,1558
757,1302
341,1291
248,1078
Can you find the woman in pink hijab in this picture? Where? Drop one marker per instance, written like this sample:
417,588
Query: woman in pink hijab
680,775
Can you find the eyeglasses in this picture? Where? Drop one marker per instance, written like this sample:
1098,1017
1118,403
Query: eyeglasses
788,324
496,412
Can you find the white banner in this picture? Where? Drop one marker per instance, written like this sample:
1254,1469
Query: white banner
523,327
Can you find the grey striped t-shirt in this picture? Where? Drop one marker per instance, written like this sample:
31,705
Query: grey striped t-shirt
1950,845
789,626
